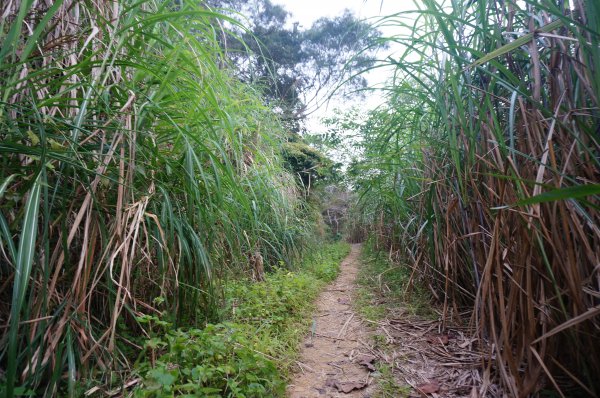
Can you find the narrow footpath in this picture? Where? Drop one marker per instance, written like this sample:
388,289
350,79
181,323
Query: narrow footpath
335,360
428,359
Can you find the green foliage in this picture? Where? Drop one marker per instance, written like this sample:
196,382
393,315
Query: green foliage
217,361
387,387
271,304
383,287
310,165
481,172
250,354
386,285
365,301
299,67
133,165
325,262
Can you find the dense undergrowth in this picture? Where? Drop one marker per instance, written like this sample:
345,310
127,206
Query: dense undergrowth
250,353
136,173
482,171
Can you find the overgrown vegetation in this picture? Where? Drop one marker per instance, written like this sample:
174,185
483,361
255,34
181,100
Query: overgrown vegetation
386,285
250,355
136,171
217,361
149,164
482,171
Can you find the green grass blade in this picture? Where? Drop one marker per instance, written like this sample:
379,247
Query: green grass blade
24,262
576,192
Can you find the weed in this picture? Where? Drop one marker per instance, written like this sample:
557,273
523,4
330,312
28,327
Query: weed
324,263
483,170
388,285
217,361
364,301
379,341
132,163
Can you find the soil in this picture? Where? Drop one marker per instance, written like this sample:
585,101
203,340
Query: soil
335,358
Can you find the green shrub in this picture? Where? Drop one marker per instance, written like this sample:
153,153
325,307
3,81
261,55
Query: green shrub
385,284
272,303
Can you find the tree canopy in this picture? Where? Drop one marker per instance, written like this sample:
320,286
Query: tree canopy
298,67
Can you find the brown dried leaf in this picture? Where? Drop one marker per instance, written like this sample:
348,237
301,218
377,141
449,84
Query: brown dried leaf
367,361
429,388
438,339
330,382
350,386
345,387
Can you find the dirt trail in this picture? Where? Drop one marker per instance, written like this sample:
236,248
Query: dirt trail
335,358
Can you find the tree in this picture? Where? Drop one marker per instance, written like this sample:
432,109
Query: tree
298,68
309,164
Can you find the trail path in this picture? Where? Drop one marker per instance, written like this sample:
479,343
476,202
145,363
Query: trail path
429,359
335,357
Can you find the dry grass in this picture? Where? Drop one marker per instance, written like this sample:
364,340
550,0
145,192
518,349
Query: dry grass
492,191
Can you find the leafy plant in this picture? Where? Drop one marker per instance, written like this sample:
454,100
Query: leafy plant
325,263
384,285
133,165
217,361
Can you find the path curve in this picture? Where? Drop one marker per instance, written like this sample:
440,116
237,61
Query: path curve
335,360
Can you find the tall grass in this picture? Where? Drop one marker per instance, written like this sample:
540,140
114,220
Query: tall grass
484,169
134,171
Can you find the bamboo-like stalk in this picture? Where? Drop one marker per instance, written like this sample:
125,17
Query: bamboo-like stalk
493,191
131,165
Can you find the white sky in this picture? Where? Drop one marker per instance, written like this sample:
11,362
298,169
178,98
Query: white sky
308,11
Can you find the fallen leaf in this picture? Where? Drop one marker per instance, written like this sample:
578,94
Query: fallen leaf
366,357
439,339
344,387
367,361
429,388
350,386
330,382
